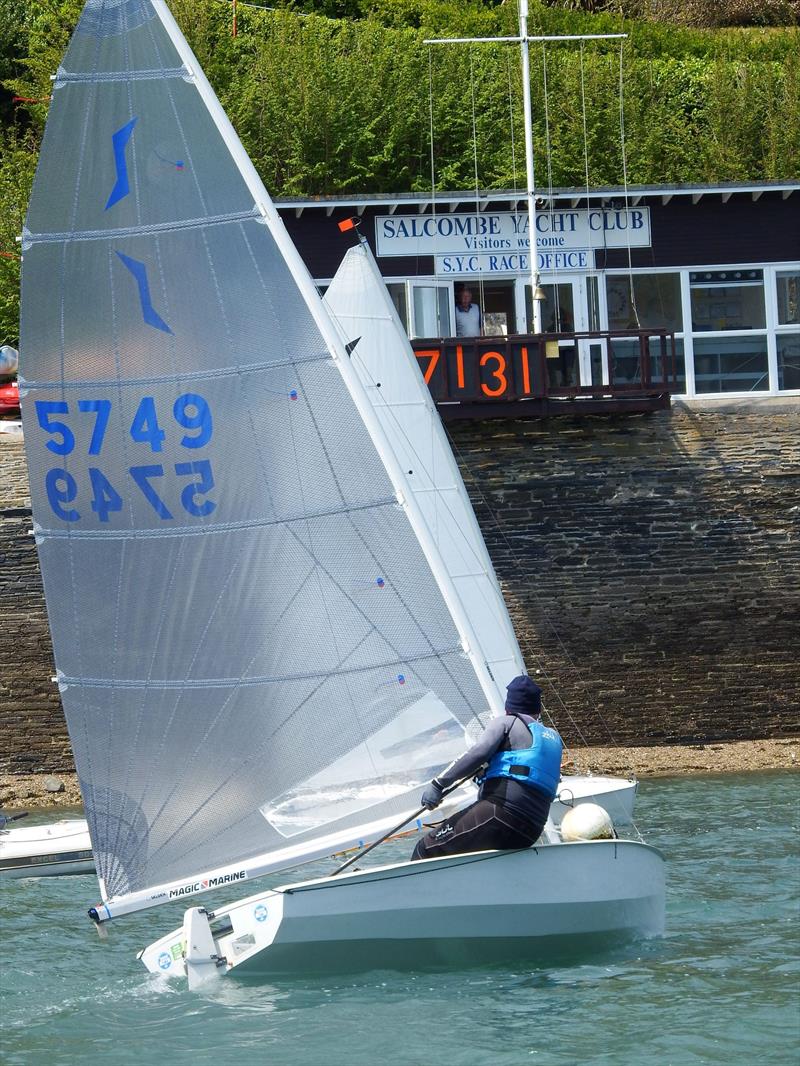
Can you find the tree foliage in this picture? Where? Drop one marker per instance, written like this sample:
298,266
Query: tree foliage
17,164
339,96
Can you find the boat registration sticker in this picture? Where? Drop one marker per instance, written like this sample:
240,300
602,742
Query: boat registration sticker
165,960
260,913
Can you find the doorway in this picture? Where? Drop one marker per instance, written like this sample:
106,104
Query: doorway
498,307
572,306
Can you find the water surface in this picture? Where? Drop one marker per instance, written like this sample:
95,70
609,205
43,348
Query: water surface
721,987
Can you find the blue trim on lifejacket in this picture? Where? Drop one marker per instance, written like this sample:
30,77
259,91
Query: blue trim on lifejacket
538,766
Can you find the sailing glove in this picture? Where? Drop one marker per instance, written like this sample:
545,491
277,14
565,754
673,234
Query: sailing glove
432,796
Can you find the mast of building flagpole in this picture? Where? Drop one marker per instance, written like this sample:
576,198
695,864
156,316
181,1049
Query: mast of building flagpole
523,40
533,259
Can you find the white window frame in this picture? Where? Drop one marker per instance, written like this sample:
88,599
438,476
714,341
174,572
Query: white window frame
790,329
447,329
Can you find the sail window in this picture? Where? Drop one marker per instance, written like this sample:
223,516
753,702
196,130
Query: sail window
394,760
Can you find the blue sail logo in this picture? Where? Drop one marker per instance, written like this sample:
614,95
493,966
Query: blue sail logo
120,142
149,313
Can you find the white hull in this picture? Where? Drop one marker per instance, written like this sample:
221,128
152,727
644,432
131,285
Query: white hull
47,850
464,909
616,795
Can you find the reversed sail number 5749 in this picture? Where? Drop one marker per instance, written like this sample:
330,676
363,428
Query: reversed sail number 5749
192,414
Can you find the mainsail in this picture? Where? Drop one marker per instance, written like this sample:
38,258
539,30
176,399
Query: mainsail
255,636
387,367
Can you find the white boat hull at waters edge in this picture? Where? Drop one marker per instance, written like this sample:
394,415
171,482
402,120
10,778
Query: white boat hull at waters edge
57,848
458,910
617,795
64,847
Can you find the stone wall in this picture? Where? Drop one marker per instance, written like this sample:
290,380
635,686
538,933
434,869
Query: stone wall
33,734
651,564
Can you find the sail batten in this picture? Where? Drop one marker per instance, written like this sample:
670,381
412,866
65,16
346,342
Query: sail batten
64,77
30,238
176,379
227,682
192,531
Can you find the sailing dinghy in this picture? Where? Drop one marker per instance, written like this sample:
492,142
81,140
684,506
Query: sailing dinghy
261,653
388,369
49,850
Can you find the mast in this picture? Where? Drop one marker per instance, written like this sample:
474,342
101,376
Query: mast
523,40
531,181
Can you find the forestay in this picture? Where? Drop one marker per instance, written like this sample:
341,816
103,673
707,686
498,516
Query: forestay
254,652
385,362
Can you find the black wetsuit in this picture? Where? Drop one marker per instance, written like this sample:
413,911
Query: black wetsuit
507,814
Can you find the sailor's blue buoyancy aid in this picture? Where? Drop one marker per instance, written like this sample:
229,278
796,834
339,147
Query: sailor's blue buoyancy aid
539,765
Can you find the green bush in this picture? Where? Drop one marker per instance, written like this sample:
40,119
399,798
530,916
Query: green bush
330,105
17,164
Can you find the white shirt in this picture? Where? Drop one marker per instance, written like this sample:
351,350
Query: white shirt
468,323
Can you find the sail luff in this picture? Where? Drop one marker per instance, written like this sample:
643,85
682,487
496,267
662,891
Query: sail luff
331,337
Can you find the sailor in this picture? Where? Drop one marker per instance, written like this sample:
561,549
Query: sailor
468,314
522,761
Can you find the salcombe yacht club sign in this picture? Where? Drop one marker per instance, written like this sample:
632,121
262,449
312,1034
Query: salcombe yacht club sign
500,242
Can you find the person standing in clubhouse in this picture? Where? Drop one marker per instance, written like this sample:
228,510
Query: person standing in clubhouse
468,314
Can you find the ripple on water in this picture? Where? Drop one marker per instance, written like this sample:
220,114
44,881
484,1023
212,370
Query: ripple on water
719,988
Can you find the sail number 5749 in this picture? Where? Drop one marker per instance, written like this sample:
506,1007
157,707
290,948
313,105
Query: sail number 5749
192,414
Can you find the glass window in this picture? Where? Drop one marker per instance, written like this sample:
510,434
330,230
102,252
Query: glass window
593,299
788,360
558,311
431,304
723,300
397,292
788,286
731,364
625,361
654,301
